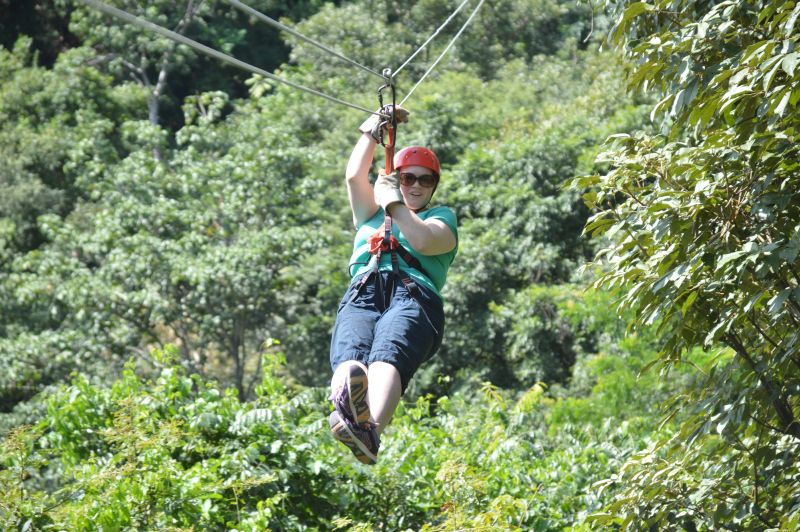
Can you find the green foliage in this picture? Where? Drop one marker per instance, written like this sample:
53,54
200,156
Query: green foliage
195,215
170,452
501,31
703,229
207,244
50,118
518,226
193,252
175,451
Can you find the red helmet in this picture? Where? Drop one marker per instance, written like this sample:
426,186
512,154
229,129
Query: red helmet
417,156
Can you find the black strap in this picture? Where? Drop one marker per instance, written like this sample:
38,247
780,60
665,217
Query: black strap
406,255
411,286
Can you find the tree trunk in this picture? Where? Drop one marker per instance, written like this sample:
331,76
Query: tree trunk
235,349
153,100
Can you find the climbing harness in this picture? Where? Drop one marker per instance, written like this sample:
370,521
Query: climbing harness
380,242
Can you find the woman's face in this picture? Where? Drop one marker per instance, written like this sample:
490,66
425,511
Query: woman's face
415,195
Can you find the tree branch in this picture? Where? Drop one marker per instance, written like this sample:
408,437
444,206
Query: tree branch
761,331
161,82
782,408
755,467
180,332
135,71
766,424
105,58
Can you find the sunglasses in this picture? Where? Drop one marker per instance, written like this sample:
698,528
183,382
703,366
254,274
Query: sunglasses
407,179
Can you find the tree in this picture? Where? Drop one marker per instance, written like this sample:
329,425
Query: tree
60,133
519,227
703,224
40,20
217,245
144,58
58,129
170,72
192,252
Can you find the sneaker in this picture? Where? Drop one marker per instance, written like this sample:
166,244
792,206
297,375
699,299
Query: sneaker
351,399
363,441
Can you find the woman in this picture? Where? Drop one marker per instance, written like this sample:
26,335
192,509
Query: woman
390,320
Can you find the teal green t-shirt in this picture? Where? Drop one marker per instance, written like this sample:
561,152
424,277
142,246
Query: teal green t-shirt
435,265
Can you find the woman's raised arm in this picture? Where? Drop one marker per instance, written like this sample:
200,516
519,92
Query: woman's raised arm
359,190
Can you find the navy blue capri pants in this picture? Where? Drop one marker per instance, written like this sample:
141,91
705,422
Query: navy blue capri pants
391,326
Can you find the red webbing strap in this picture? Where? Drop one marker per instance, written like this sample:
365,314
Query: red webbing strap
376,245
389,149
389,154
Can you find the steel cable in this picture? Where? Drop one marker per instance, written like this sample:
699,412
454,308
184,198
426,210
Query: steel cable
274,23
132,19
449,45
435,33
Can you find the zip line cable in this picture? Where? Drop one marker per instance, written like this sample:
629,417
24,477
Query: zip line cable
274,23
136,21
181,39
439,29
449,45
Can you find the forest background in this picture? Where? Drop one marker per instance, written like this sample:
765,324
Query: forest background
174,236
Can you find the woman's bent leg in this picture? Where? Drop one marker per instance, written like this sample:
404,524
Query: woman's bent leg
350,345
384,392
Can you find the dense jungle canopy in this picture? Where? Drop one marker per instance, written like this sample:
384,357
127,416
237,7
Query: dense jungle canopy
622,348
